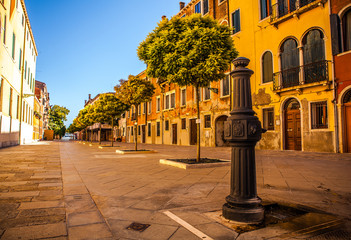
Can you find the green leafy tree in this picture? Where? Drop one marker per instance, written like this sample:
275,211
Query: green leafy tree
133,92
57,116
190,51
107,109
84,119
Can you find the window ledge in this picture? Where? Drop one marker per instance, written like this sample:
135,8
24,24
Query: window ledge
223,97
275,21
300,88
343,53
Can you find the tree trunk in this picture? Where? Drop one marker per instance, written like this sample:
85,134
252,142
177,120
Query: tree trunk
100,135
86,135
198,123
112,133
91,135
136,129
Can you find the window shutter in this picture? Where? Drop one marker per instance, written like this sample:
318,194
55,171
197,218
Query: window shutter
237,20
335,33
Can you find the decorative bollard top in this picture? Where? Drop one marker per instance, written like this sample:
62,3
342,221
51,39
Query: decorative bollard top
241,62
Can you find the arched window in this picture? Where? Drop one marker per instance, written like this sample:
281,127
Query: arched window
315,68
267,67
289,59
346,25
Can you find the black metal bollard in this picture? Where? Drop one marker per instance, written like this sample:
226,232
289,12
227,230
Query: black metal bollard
243,130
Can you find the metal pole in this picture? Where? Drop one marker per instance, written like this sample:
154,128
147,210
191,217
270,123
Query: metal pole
243,130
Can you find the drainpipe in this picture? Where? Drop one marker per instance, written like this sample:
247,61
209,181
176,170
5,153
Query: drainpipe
22,76
336,117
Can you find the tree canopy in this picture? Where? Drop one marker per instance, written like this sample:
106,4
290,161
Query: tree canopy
57,116
193,50
134,91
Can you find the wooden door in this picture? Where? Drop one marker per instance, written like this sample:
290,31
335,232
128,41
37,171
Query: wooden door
292,130
347,121
193,132
174,134
143,135
220,142
153,134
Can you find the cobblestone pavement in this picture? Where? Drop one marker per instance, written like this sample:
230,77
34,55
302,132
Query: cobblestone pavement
61,190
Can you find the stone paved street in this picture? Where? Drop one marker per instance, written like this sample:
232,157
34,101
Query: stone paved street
70,190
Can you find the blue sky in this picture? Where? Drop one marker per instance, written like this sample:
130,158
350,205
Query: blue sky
86,46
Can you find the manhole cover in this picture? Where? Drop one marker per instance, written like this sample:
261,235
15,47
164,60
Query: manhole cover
138,226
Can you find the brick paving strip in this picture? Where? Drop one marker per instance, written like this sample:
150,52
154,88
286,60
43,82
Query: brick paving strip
31,198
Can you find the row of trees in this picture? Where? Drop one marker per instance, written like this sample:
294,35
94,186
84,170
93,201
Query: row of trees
190,51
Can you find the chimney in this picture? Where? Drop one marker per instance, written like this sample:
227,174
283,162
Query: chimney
181,5
89,96
164,17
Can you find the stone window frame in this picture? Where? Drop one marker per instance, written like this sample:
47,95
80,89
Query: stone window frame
311,116
206,121
221,85
264,118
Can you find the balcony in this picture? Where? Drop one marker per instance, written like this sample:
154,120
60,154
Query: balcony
307,75
286,9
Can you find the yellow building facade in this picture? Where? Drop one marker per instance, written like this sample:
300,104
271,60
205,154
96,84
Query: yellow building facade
17,74
289,45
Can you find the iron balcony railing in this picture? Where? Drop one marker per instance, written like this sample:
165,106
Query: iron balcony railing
284,7
298,76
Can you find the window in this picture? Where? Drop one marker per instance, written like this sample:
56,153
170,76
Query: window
167,102
139,109
207,121
205,6
268,119
20,59
144,108
158,128
319,115
225,88
149,107
346,30
158,104
183,97
172,100
25,69
166,125
267,67
4,37
149,129
290,64
18,107
183,123
265,8
236,21
139,130
183,15
220,1
207,94
198,7
13,45
314,56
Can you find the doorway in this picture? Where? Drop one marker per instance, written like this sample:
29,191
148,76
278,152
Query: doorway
174,134
220,142
292,131
193,132
347,121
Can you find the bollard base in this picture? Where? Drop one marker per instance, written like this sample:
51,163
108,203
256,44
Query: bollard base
248,215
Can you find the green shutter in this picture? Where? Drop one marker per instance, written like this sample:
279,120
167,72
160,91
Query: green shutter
13,45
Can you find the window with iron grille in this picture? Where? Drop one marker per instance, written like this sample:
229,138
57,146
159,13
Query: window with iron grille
166,125
319,115
207,121
183,97
149,129
183,123
158,129
236,21
268,119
